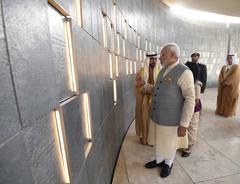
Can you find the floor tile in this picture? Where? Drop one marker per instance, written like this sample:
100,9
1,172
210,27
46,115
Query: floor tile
229,148
206,163
234,179
215,158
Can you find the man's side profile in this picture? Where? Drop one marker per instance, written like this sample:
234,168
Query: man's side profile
172,107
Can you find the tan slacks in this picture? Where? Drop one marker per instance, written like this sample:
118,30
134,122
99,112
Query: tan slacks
193,129
193,125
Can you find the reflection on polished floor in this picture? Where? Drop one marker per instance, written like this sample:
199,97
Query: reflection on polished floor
214,160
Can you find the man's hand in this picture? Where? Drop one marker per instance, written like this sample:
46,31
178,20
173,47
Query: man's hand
140,81
181,131
197,101
148,89
143,91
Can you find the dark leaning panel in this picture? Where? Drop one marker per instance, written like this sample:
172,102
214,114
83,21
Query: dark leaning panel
58,32
9,117
30,57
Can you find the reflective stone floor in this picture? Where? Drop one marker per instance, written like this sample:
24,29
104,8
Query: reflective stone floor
214,160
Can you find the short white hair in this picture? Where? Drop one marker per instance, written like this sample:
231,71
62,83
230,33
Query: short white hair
174,48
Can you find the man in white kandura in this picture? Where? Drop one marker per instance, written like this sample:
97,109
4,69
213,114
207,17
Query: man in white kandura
172,107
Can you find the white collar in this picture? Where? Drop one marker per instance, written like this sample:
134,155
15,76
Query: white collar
172,66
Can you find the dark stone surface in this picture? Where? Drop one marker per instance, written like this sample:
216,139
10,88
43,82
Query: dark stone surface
39,140
9,118
30,57
14,163
74,136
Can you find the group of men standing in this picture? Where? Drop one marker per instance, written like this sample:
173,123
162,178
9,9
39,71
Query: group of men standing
168,102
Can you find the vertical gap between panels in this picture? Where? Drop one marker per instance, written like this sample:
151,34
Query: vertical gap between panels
70,58
87,122
62,144
116,64
127,66
79,12
115,92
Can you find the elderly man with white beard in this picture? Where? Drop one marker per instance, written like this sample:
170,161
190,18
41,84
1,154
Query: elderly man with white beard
172,107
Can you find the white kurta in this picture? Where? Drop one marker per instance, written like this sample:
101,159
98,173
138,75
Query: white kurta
166,137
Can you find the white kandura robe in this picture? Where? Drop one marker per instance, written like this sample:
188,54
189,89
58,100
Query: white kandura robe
166,139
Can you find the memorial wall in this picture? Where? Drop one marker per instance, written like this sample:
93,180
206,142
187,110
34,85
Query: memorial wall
67,75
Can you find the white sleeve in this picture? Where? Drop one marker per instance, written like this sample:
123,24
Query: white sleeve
186,83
